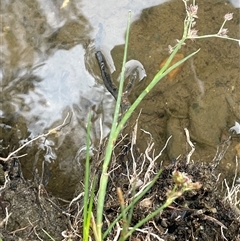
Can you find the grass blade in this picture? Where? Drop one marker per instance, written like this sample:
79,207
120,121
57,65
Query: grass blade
111,143
86,211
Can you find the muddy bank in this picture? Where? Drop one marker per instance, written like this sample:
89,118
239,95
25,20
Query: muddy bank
28,211
197,215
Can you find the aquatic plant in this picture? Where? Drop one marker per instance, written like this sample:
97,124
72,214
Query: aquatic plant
182,182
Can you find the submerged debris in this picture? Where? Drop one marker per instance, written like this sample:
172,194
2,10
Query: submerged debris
236,128
175,71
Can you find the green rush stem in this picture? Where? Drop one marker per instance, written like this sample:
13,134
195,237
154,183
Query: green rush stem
111,143
155,80
116,128
86,181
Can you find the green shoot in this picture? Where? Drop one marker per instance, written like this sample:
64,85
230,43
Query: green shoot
87,205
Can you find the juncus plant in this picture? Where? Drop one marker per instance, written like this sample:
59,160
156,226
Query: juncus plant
183,183
190,31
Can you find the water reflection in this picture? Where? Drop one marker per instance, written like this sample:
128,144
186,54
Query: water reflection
43,78
48,69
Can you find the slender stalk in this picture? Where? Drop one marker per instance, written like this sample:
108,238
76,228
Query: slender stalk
125,222
156,79
150,216
90,207
86,214
162,73
225,20
48,234
215,36
131,205
111,142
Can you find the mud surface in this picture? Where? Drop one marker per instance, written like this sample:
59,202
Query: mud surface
28,211
203,97
197,215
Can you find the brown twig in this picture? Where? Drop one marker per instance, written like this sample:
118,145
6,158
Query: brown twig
52,131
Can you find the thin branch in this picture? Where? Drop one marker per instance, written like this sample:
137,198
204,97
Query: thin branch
52,131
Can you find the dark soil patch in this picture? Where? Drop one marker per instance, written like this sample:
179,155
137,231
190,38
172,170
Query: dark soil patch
196,215
27,210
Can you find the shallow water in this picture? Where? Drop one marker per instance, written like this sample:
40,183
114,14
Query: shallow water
48,70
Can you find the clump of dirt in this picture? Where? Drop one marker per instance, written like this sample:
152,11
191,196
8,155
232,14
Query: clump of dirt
26,208
202,214
197,215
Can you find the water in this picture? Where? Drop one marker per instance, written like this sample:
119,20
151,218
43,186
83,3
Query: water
48,69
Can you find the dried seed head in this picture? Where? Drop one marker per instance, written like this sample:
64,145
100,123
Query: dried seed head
192,9
192,33
228,16
223,32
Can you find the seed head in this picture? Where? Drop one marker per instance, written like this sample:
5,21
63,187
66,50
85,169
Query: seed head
192,33
192,9
183,180
180,177
223,32
228,16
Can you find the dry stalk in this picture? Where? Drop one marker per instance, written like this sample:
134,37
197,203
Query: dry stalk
35,232
52,131
6,182
20,229
223,234
5,220
206,217
232,195
34,229
118,232
145,231
76,198
220,153
190,144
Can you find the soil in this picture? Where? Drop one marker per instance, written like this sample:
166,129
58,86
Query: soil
197,215
202,214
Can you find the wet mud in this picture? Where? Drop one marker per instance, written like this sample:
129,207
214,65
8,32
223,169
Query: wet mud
196,215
